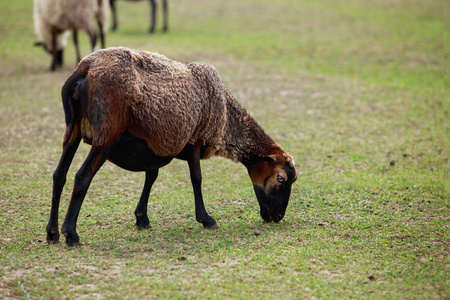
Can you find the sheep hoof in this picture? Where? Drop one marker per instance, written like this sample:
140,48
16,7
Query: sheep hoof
140,227
211,224
215,226
142,221
71,243
53,237
72,239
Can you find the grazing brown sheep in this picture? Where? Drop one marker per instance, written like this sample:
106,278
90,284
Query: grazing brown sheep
140,110
54,18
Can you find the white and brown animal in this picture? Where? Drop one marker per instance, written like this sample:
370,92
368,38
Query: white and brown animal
140,110
53,19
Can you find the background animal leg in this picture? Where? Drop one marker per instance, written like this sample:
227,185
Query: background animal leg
83,178
75,42
112,4
102,34
166,16
152,16
142,220
59,58
59,179
196,179
54,52
93,38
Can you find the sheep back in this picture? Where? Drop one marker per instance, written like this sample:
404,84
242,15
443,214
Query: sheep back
164,102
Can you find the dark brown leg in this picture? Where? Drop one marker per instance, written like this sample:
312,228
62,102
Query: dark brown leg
54,52
93,38
193,158
112,4
59,58
166,16
152,16
141,209
71,142
102,34
83,178
75,42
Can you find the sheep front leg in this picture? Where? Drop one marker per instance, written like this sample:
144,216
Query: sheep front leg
142,220
196,179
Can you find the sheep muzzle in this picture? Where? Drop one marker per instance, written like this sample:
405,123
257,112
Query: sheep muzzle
273,204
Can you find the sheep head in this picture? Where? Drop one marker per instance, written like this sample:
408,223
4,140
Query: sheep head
272,178
59,52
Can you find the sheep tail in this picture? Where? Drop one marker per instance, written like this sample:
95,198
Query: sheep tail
72,100
71,94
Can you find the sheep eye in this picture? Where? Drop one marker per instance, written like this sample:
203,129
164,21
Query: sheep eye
280,178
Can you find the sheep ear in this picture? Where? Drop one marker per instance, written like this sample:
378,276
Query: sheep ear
271,159
37,44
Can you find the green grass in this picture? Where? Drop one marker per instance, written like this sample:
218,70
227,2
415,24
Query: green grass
354,90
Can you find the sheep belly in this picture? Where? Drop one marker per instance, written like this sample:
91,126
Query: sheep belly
135,155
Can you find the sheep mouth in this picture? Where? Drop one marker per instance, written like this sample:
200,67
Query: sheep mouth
268,217
273,206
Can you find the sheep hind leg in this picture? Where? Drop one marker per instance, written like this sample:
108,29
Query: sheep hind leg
142,221
83,178
196,179
71,143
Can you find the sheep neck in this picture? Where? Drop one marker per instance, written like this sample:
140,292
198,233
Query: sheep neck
245,140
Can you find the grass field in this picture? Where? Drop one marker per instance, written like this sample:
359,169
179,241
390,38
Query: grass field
353,89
